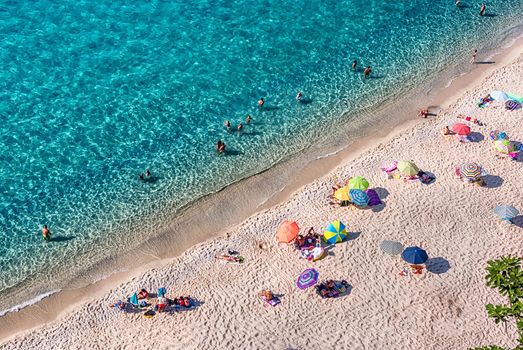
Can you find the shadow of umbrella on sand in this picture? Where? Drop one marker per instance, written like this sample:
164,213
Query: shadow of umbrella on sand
391,247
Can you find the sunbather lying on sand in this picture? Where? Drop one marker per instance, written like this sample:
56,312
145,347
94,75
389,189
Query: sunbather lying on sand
120,305
446,131
230,258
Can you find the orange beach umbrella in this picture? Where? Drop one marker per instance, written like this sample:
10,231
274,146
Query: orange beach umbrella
287,232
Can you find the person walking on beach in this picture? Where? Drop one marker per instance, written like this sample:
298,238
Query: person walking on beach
354,64
482,9
261,102
46,233
473,59
367,71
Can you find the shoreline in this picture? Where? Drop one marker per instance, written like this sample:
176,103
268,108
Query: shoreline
160,255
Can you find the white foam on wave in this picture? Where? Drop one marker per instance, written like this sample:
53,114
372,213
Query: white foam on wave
28,302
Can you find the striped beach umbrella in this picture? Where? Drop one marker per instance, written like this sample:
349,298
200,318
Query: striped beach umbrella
307,279
414,255
504,146
407,167
342,194
391,247
461,129
506,212
359,198
471,171
358,183
335,232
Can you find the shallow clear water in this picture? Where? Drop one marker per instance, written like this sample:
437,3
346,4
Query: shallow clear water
94,92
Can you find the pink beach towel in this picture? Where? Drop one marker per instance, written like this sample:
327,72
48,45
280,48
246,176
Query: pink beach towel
391,167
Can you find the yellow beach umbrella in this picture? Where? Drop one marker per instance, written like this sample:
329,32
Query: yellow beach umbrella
408,167
342,194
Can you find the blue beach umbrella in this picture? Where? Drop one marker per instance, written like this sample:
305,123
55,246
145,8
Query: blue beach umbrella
414,255
307,279
335,232
506,212
359,198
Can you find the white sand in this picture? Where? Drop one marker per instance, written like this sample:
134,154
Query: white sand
443,309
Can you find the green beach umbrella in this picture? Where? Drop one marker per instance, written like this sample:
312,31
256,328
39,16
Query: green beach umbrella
335,232
358,183
407,167
504,146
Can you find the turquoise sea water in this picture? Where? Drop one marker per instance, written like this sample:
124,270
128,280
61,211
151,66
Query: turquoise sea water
94,92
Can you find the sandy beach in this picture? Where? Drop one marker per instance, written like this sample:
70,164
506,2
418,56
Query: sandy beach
444,308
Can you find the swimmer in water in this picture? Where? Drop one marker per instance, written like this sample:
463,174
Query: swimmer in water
240,127
299,96
142,176
367,71
227,125
147,173
220,146
482,9
248,120
354,64
458,3
261,102
46,233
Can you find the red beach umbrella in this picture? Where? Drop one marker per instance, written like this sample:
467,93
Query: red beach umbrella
461,129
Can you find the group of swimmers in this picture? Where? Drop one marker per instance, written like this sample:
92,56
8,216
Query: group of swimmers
482,9
366,71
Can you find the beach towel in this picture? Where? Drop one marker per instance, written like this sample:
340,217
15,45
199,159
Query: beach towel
391,167
485,102
374,198
426,178
161,292
470,119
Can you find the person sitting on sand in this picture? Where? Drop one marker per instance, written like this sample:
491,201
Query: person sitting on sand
143,294
300,241
261,102
220,146
446,131
367,71
46,233
120,305
267,295
423,113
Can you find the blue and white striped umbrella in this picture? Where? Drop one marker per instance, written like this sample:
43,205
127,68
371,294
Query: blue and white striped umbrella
506,212
359,198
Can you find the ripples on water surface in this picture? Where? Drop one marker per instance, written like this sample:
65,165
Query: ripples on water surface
93,92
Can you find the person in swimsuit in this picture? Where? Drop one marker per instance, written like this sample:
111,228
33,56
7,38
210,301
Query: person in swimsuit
240,127
261,102
354,64
473,58
299,96
46,233
147,173
220,146
482,9
367,71
423,113
227,125
248,119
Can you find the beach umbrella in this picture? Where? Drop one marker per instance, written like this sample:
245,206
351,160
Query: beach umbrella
461,129
342,194
414,255
307,279
358,183
335,232
504,146
287,232
506,212
471,171
391,247
499,95
408,168
359,198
